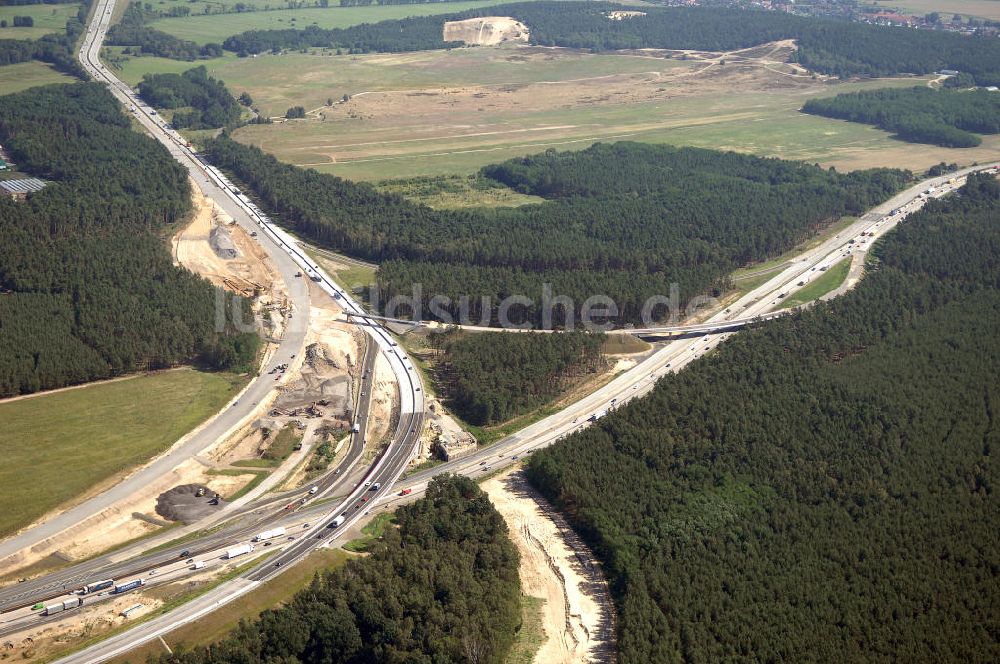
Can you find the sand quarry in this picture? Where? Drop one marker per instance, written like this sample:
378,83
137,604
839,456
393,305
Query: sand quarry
485,31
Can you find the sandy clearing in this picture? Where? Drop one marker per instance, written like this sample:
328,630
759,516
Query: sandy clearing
117,524
384,404
485,31
578,618
43,642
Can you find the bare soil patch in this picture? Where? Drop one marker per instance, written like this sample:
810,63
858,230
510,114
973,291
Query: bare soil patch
485,31
578,618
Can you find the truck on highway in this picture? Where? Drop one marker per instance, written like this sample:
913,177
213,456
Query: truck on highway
355,428
199,564
270,534
58,607
125,587
598,415
376,486
99,585
406,492
336,522
240,550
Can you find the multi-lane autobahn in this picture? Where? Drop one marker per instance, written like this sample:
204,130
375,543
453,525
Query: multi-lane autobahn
308,525
291,261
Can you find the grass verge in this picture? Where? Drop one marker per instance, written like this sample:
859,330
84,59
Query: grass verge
259,476
371,532
76,439
820,286
220,622
530,636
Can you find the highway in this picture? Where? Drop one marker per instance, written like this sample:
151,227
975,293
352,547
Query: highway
291,262
389,466
754,306
628,385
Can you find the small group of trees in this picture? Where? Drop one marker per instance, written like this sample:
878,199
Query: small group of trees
920,115
493,377
19,22
443,586
210,102
295,112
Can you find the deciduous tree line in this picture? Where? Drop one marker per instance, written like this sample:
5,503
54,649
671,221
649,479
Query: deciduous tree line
141,39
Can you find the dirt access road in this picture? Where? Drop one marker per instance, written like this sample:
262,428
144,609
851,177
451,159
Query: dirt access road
577,616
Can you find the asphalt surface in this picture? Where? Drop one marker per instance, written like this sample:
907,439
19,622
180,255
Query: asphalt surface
631,384
390,465
235,415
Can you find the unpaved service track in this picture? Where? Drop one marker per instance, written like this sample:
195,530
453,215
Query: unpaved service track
557,567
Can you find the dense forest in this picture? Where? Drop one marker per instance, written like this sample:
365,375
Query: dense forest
821,488
442,587
87,286
210,102
627,221
919,115
493,377
825,45
140,39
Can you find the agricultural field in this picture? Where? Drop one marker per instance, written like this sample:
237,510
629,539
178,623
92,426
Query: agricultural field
211,28
451,112
75,439
48,19
24,75
978,8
